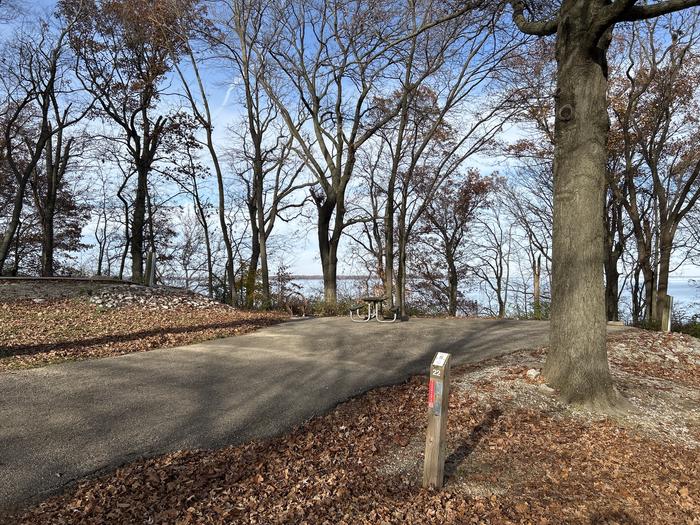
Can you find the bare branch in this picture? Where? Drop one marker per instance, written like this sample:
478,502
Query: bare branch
538,28
644,12
614,11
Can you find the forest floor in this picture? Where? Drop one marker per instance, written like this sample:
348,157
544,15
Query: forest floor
515,455
38,332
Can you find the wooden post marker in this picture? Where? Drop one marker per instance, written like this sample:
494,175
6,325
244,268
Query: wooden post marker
435,442
666,314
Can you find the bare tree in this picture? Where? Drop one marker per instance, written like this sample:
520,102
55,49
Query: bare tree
189,174
423,147
661,91
271,175
183,28
123,59
492,245
332,54
33,114
444,232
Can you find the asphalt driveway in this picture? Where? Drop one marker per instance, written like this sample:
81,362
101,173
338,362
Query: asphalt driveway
61,423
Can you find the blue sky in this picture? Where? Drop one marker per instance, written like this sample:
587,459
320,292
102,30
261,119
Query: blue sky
303,259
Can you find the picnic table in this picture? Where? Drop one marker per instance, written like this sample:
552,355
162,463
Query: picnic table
374,307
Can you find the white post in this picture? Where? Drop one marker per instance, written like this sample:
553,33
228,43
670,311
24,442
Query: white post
151,268
666,314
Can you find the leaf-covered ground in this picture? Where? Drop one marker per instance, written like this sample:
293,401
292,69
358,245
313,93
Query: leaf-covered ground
36,334
515,455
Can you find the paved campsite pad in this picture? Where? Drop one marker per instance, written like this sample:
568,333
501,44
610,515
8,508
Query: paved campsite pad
64,422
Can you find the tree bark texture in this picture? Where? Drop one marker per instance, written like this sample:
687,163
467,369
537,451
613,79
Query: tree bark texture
137,226
254,256
577,361
328,249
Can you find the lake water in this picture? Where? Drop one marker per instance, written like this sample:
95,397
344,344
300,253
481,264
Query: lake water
684,291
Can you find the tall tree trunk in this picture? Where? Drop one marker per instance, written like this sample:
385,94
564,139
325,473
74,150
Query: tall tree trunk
649,291
328,248
536,287
56,165
501,303
202,217
453,282
263,232
206,122
48,213
613,252
11,230
329,261
137,226
47,244
577,362
401,275
102,246
389,244
210,263
127,229
665,248
643,237
251,276
401,281
264,274
47,209
637,306
612,291
614,248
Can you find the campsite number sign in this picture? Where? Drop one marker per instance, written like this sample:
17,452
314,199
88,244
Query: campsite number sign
438,397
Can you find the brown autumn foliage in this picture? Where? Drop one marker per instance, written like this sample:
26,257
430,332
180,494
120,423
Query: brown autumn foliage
36,334
515,455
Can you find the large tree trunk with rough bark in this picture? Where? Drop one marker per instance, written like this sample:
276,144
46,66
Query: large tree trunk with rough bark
328,249
577,363
329,262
